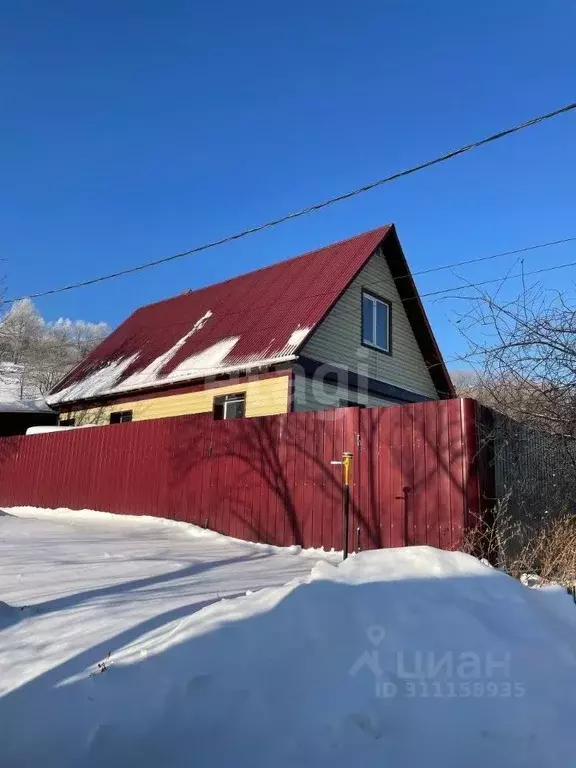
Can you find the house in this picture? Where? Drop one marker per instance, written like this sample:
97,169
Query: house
18,414
337,326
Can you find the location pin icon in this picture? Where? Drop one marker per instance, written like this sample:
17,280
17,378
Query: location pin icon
376,634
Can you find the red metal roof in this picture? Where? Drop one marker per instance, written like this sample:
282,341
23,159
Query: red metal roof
248,320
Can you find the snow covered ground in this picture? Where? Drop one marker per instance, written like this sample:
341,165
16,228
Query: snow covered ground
133,642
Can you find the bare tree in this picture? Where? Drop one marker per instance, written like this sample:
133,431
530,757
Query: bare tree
524,351
39,353
526,348
21,331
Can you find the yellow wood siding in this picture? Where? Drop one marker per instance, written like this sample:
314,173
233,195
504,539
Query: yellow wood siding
337,338
264,397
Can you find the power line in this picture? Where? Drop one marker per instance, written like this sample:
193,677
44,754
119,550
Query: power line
452,265
309,209
443,362
439,293
496,280
477,260
452,289
492,256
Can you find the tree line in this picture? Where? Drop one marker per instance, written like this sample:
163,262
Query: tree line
36,353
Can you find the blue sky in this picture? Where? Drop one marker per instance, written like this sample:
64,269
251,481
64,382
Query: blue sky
132,130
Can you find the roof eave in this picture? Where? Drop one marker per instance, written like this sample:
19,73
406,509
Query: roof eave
416,314
168,385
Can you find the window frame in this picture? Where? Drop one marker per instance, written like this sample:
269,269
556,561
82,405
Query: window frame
223,400
120,414
388,304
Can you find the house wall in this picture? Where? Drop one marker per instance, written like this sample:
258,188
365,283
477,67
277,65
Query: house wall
264,397
316,395
337,340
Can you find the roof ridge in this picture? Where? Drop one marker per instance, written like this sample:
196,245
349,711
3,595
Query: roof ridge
384,228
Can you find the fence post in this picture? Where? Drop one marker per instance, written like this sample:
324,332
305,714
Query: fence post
346,464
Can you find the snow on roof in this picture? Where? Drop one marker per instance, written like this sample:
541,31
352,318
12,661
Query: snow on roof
24,406
254,320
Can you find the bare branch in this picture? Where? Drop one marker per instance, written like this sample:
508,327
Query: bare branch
35,354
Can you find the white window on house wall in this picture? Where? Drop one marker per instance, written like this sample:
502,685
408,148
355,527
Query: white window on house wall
230,406
376,322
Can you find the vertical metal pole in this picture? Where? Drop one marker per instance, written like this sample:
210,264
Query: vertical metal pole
346,466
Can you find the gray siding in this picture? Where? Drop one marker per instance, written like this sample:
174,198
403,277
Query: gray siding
337,340
316,395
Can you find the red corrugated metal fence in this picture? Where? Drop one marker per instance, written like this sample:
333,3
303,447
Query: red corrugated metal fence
267,479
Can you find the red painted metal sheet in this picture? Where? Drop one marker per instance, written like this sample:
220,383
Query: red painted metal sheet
408,458
429,459
419,476
395,481
458,499
291,295
472,461
444,476
383,471
415,474
413,480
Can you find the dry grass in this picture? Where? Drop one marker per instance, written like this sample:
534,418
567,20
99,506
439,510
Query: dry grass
494,536
549,551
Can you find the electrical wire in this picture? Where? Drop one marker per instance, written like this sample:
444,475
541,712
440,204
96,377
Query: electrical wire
304,211
439,293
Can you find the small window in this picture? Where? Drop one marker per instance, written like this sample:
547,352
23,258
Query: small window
67,422
119,417
230,406
375,322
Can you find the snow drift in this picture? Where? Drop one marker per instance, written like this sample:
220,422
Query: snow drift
396,657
